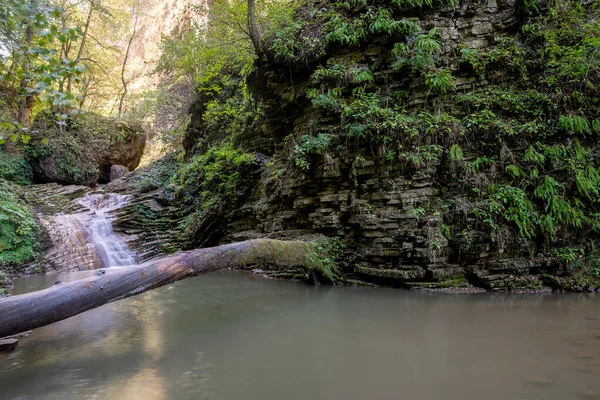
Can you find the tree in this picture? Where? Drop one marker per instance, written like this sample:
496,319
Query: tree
127,50
32,65
254,30
33,310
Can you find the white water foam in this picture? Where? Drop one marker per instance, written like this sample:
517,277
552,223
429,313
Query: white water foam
111,248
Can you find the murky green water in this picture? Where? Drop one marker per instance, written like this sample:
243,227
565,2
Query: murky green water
230,336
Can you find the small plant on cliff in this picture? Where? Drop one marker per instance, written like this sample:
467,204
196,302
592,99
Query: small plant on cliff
323,256
308,145
574,123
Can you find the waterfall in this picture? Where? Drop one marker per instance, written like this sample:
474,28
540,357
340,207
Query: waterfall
110,247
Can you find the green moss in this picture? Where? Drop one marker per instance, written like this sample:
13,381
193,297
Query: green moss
275,255
295,259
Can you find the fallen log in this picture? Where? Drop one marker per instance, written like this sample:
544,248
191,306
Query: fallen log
33,310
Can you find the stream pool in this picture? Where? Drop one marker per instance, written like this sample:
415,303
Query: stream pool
230,336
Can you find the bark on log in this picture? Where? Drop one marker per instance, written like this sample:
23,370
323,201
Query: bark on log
36,309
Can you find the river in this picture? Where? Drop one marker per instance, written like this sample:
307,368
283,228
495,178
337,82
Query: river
230,335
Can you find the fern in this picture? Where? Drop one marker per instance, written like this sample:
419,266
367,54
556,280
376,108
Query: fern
547,189
362,76
349,32
513,171
328,101
429,42
532,155
587,180
596,126
335,72
572,123
456,153
312,93
440,80
481,162
381,21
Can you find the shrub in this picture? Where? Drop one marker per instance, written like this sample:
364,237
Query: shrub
14,168
18,228
211,176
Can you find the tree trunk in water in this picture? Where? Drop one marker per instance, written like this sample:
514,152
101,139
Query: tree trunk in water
33,310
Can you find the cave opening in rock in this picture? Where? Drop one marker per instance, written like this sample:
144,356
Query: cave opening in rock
104,174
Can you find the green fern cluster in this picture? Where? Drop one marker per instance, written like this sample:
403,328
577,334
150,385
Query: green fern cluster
309,145
575,124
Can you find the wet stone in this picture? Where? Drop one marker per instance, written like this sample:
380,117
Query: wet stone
8,344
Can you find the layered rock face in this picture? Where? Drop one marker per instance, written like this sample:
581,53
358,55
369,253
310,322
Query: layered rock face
150,222
384,210
78,223
372,207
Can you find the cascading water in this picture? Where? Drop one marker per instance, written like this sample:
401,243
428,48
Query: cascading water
111,248
85,239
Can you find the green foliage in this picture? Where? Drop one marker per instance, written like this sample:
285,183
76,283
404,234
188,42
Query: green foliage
335,73
575,124
75,146
14,168
439,80
212,176
524,180
418,212
322,258
456,152
216,58
507,55
32,65
290,39
362,76
421,58
380,21
284,44
18,228
329,101
512,204
157,175
309,145
345,31
583,258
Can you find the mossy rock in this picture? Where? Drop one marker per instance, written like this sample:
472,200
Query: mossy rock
578,282
84,149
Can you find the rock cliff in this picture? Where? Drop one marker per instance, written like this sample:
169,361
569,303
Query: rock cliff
415,158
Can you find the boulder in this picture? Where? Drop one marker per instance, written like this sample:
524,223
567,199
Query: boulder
118,171
84,150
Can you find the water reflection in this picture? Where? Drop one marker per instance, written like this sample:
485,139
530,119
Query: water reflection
233,336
